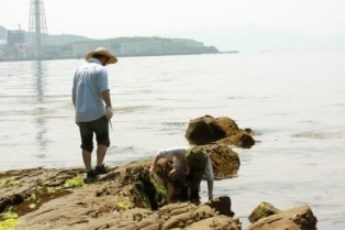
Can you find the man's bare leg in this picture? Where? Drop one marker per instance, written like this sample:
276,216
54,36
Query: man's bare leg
101,151
87,159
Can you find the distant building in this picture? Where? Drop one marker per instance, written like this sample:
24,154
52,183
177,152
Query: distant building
15,37
15,45
141,46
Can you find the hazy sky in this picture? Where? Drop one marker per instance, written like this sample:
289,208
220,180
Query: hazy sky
116,18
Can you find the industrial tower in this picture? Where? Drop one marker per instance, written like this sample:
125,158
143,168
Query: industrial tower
37,25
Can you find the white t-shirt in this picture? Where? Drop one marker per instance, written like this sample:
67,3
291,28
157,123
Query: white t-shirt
90,80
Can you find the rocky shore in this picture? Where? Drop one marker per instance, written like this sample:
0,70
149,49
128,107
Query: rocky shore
129,198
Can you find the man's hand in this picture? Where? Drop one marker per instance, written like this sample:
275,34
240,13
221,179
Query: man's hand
152,169
109,112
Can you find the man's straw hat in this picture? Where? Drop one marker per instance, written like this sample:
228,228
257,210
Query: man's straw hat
102,51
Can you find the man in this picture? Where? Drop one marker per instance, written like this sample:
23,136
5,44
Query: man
189,167
92,102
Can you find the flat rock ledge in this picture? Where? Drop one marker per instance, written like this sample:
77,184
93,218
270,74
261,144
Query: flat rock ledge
129,198
58,199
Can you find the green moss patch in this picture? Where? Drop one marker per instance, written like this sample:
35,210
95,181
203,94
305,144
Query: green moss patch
8,224
123,206
77,181
6,182
38,196
9,220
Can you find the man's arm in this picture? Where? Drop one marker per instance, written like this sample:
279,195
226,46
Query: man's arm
210,189
106,98
154,163
177,152
108,108
74,92
210,177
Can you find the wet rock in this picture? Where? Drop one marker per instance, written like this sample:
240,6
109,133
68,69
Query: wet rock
299,218
264,209
239,139
207,129
112,203
109,203
19,187
204,130
222,205
218,222
225,161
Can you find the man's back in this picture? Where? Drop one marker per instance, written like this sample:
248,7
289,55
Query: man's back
89,81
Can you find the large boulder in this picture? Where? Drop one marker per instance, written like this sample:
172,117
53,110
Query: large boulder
299,218
208,129
204,130
264,209
225,162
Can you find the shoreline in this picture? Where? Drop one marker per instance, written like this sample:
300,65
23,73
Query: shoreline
57,198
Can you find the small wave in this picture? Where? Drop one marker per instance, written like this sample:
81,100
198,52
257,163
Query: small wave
40,155
173,128
174,123
130,109
317,135
311,122
122,150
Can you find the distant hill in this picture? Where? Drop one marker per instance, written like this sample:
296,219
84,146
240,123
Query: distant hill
64,39
75,46
145,46
242,38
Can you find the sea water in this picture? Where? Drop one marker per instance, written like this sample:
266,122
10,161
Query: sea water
294,103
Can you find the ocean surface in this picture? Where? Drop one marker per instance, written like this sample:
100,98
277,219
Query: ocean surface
294,102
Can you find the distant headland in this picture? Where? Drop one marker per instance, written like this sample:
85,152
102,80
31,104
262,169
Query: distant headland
18,45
